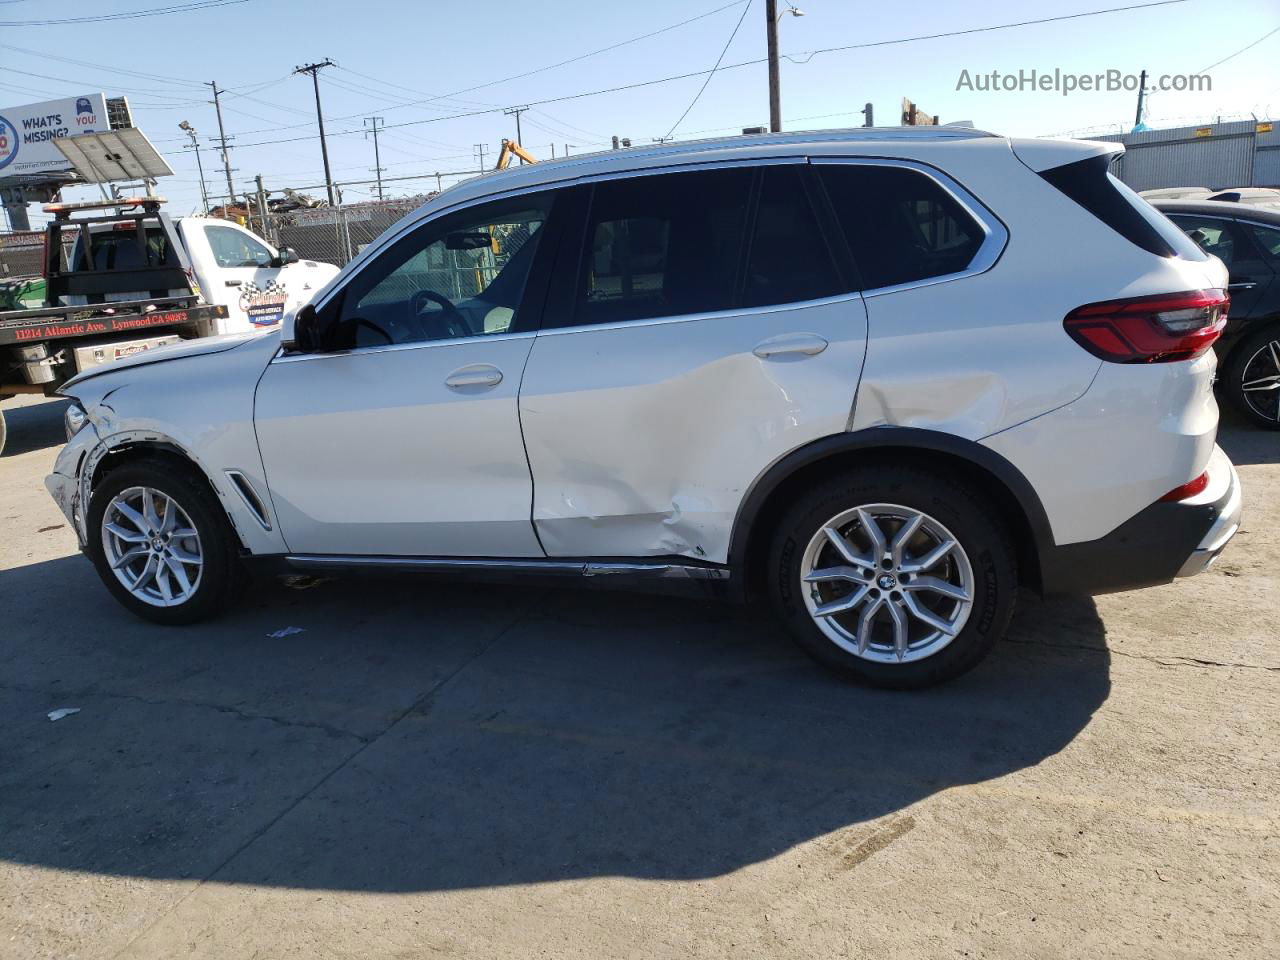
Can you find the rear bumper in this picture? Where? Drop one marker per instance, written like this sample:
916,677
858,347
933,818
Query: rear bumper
1160,543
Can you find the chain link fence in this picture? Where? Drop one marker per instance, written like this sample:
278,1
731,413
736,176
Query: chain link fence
327,234
333,234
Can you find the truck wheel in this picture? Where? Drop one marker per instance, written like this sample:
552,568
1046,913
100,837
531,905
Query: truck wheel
162,544
1252,378
895,576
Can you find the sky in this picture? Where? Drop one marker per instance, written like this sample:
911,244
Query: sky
440,74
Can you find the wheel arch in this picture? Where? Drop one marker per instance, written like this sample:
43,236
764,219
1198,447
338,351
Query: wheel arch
121,449
766,499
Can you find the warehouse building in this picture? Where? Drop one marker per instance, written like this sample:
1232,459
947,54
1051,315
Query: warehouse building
1244,153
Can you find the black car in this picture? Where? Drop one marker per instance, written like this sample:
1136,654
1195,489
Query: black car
1247,239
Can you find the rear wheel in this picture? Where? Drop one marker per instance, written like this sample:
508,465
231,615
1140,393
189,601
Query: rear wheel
896,576
1253,378
162,544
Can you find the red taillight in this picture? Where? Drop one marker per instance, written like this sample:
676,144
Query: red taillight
1188,489
1176,326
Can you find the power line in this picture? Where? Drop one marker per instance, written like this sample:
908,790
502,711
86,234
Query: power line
732,66
561,63
697,96
44,55
1240,51
124,15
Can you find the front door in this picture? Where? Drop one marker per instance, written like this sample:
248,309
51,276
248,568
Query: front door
706,332
401,437
240,273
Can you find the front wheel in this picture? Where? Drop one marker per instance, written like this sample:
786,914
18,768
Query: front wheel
162,544
1252,378
893,575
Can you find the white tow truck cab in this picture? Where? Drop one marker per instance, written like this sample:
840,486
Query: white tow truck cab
231,266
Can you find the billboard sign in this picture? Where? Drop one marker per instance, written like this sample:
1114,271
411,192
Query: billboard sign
27,133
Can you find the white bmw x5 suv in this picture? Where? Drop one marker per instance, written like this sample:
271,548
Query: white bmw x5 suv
884,377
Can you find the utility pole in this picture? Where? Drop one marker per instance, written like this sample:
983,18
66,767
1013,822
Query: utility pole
262,209
222,138
481,150
1142,90
314,69
516,111
195,143
869,113
378,168
775,95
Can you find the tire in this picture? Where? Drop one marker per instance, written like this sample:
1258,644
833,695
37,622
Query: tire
980,567
4,432
211,586
1257,357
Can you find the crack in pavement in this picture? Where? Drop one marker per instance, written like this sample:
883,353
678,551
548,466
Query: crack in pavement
1169,661
89,692
257,835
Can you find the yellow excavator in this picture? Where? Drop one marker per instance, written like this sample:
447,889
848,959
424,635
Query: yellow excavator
512,149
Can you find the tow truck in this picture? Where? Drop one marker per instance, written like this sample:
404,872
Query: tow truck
142,295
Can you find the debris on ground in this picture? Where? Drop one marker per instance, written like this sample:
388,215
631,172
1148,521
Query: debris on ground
62,712
305,581
285,632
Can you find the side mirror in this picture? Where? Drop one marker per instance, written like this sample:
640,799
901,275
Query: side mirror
286,256
298,332
477,240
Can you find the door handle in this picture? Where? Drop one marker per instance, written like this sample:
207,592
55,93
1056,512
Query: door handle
474,375
794,345
232,283
1242,285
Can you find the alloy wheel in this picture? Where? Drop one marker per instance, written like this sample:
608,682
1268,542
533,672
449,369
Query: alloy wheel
1260,381
887,583
152,546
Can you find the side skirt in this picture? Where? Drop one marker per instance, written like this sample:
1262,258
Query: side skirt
650,574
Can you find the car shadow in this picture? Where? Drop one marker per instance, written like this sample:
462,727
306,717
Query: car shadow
409,735
1245,443
32,426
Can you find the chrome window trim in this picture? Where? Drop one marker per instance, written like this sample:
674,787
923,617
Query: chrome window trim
995,240
995,234
710,315
387,239
282,357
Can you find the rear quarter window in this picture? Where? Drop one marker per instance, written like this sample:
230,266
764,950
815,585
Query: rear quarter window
1091,184
900,224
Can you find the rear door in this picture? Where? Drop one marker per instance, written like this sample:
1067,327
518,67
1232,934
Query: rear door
700,329
1232,243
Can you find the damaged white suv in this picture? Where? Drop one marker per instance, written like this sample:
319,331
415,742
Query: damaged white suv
884,377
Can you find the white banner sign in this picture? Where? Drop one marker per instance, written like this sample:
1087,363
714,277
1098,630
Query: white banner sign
27,133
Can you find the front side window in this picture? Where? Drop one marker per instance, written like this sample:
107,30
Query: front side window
900,224
462,275
663,245
231,248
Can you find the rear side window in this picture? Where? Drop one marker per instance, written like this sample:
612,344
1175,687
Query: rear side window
789,260
663,245
1220,238
900,224
1268,238
1090,184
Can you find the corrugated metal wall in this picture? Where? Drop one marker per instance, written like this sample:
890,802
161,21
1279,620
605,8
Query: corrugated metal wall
1230,155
